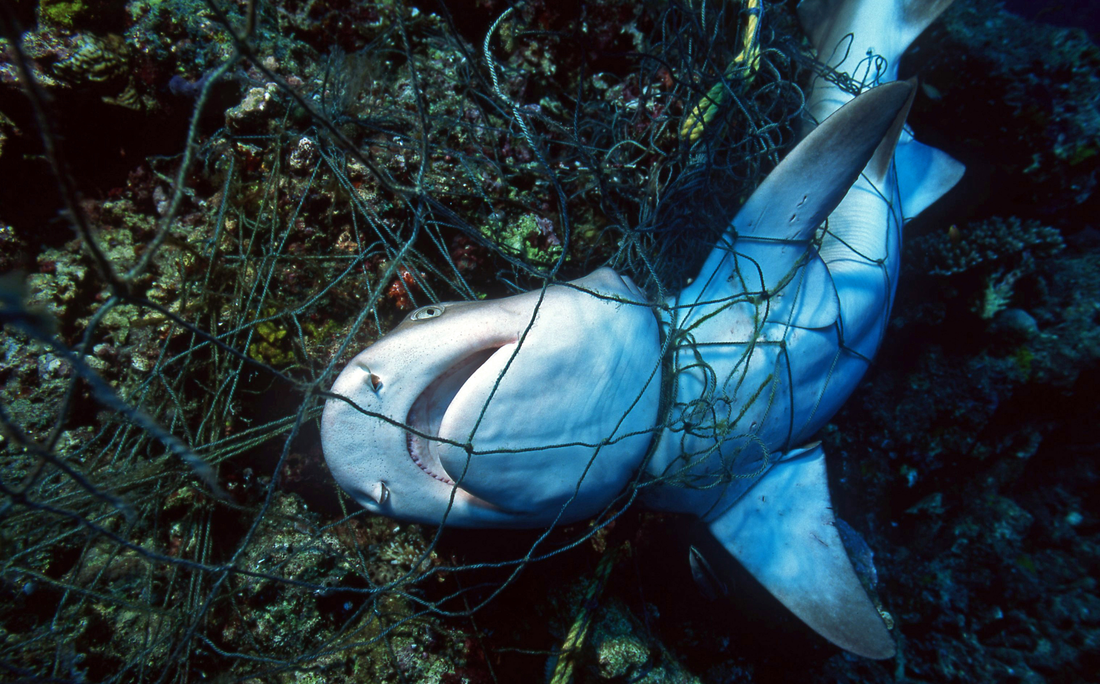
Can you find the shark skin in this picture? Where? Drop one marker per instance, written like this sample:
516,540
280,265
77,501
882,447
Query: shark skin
541,408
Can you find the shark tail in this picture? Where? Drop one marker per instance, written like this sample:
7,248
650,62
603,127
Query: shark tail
784,533
884,28
850,36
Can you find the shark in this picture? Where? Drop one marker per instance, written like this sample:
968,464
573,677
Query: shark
547,407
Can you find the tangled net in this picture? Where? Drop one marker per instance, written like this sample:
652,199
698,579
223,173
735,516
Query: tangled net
166,514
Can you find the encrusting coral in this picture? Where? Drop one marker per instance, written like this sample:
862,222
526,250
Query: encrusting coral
1005,241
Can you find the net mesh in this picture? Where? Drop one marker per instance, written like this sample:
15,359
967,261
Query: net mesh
166,512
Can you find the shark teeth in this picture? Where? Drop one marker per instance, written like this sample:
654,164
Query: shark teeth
418,450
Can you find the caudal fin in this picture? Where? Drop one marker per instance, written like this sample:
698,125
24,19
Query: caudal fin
884,27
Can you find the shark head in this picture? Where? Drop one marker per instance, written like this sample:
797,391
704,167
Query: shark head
425,424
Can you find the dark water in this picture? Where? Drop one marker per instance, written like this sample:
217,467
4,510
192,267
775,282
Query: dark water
1083,14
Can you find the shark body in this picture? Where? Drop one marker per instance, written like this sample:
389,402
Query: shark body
541,408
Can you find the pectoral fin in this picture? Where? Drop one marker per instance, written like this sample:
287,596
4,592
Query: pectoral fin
782,530
924,174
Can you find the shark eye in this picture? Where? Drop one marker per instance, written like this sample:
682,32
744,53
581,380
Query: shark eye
426,312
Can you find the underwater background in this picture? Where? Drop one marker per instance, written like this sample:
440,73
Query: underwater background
208,207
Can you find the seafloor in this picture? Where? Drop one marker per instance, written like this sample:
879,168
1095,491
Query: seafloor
208,207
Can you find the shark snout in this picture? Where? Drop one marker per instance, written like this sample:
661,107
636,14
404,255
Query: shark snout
379,430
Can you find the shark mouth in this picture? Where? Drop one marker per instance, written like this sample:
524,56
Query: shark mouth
427,412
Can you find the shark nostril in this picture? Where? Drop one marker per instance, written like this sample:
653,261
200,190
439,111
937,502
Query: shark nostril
372,379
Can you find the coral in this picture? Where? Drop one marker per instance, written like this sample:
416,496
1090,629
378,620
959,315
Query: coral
58,282
105,64
1039,83
403,288
259,108
999,251
33,381
970,444
13,249
621,655
60,12
268,347
619,647
996,241
998,292
529,237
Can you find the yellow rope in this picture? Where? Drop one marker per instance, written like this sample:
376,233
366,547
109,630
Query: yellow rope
574,641
707,107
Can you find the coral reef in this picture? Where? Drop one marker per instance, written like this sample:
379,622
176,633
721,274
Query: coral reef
1006,241
1003,250
247,214
1036,83
965,436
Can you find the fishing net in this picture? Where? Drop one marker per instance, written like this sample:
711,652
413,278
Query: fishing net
166,513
